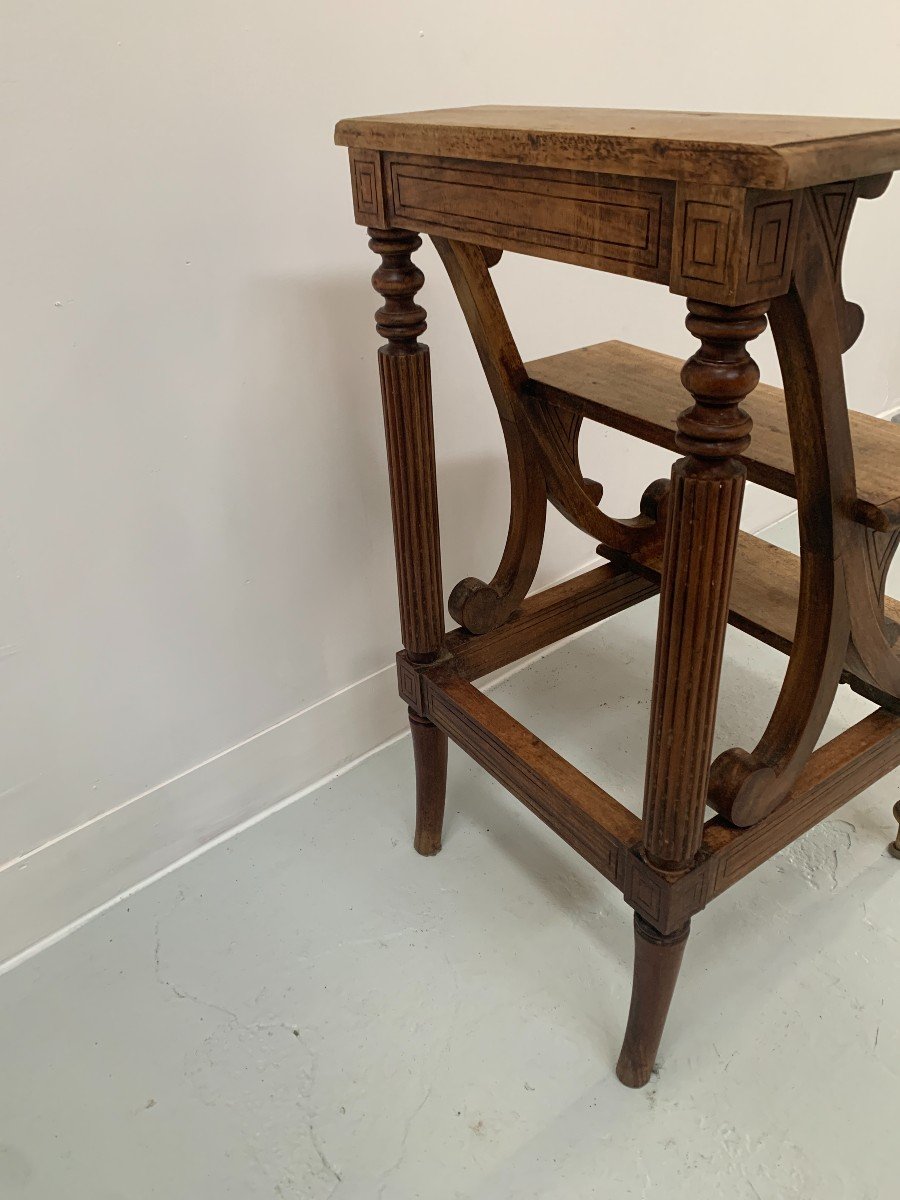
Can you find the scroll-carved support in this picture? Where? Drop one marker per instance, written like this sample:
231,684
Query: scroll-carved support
542,448
701,539
478,606
812,325
576,498
834,204
405,372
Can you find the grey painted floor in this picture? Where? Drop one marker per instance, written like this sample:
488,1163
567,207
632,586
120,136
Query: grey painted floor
312,1011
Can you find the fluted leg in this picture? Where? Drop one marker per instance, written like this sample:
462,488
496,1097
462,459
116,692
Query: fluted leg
404,368
430,753
405,373
701,540
657,961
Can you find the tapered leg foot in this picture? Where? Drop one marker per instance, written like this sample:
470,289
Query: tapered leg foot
430,753
657,959
894,846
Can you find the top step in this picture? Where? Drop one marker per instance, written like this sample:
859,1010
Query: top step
639,392
739,149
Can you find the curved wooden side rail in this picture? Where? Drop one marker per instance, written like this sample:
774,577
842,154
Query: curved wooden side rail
542,448
476,605
576,497
875,640
874,654
812,325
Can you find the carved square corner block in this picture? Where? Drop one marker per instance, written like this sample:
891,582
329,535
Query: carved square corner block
367,179
732,245
409,684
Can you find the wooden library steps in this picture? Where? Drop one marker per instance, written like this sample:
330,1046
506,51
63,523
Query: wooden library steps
746,217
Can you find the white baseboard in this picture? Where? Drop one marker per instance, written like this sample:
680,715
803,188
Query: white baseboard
80,872
60,885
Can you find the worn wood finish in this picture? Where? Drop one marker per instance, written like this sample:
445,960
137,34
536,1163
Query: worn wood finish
657,961
812,324
834,774
585,816
577,498
742,215
552,614
746,786
732,245
765,594
595,220
608,835
707,490
636,390
734,149
405,372
480,606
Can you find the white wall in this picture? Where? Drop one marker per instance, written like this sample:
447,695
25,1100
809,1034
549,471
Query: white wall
195,529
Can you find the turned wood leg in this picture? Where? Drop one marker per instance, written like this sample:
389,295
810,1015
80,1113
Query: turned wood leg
405,372
430,753
657,961
698,562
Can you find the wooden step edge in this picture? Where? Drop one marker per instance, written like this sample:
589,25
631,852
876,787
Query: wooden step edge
771,475
764,593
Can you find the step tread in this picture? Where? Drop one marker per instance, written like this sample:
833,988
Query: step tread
639,392
765,591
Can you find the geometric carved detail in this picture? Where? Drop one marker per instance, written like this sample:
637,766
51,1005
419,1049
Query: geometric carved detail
704,251
733,246
834,207
368,187
600,220
768,241
833,204
409,683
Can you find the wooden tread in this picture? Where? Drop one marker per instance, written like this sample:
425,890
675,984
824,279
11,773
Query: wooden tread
764,592
639,392
738,149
